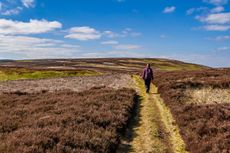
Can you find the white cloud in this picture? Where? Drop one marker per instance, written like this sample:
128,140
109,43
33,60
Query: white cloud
196,10
11,27
127,47
83,33
113,54
88,33
216,2
169,9
223,48
205,10
127,32
28,3
83,30
216,27
124,54
32,47
222,38
111,42
217,9
218,18
110,34
215,21
11,7
117,46
14,11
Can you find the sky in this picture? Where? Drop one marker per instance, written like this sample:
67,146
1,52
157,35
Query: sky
196,31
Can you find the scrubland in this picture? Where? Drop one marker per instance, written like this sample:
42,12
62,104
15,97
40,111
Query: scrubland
64,121
200,103
85,105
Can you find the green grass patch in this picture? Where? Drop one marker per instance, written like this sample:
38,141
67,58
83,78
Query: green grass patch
24,61
18,74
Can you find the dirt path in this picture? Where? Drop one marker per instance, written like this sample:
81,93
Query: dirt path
153,129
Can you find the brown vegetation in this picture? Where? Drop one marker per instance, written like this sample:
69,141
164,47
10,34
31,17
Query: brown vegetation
204,127
103,65
64,121
77,84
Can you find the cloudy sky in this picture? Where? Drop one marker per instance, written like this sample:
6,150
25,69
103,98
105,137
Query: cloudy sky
195,31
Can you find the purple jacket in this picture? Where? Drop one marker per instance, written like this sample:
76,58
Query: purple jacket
147,74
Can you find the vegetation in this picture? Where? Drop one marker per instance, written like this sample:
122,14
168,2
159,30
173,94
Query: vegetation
64,121
172,65
189,117
124,65
205,127
22,73
156,130
147,136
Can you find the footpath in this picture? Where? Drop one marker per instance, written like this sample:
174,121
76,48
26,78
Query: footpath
152,129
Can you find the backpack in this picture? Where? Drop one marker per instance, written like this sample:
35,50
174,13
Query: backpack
148,73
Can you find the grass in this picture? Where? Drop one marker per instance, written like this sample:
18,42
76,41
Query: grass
24,61
208,95
18,74
198,101
170,126
147,133
168,65
116,64
157,131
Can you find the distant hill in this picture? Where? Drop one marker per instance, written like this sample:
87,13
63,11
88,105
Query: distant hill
102,64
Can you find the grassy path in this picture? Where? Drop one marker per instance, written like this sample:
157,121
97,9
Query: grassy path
153,129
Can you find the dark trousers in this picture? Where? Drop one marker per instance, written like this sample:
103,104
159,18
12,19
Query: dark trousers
147,84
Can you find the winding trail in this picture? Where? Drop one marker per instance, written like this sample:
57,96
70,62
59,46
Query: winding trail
153,129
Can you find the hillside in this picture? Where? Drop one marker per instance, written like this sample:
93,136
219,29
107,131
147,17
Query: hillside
47,68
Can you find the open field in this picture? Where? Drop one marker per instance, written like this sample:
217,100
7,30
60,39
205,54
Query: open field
86,106
114,76
7,73
200,103
43,115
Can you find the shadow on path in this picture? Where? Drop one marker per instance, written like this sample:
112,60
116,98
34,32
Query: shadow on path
130,133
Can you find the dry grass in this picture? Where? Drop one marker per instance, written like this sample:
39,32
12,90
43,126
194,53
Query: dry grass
174,138
148,138
154,130
207,96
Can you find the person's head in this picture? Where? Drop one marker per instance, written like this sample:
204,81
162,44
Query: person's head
148,65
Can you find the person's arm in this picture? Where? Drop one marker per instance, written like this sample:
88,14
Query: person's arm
143,74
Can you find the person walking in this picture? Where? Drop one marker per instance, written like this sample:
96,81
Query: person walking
147,76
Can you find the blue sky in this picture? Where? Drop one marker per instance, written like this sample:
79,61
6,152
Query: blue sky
190,30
